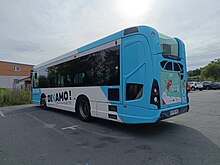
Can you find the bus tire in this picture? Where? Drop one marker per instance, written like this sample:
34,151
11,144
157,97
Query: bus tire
83,108
43,102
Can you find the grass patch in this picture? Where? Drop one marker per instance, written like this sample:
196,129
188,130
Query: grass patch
8,97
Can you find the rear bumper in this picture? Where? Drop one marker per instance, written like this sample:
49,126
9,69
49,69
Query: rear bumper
173,112
143,115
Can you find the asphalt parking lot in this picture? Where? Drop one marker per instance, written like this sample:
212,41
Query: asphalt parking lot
30,135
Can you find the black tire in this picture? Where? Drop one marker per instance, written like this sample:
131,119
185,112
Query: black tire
207,88
43,102
193,88
83,109
200,89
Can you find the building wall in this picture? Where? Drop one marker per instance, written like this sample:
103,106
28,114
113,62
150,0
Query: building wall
8,69
8,81
9,72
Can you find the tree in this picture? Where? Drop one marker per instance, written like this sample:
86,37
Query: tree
193,73
211,71
216,61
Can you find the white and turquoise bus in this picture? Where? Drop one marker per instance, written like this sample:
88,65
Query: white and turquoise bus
136,75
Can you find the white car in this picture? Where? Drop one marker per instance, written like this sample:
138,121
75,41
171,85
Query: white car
195,85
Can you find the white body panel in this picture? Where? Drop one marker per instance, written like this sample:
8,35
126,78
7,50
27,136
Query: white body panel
98,101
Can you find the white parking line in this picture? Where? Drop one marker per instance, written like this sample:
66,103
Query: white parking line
47,125
70,127
2,114
93,132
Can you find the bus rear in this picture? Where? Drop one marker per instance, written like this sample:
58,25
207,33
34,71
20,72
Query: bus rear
171,74
154,76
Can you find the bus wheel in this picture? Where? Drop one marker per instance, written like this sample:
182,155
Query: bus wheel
43,102
83,109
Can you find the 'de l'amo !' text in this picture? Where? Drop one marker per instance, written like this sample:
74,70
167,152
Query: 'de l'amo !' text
60,96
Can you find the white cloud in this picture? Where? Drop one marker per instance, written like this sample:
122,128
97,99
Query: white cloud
32,32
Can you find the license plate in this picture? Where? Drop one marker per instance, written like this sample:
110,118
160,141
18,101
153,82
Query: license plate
174,112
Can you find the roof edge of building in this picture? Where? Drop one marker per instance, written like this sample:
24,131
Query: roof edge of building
16,63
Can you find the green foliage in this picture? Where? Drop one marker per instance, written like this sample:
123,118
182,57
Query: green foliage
193,73
210,72
8,97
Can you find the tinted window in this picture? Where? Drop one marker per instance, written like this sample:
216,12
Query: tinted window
95,69
134,91
35,80
163,63
113,94
181,66
168,45
169,66
176,67
42,77
105,67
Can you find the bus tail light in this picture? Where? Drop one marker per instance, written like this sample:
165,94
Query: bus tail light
155,94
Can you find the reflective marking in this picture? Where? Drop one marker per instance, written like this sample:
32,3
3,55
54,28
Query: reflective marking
70,127
2,114
47,125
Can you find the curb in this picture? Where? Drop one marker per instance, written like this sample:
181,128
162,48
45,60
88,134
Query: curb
16,107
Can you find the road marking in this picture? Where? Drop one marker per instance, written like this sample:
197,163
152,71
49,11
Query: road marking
47,125
2,114
70,127
51,125
171,120
96,133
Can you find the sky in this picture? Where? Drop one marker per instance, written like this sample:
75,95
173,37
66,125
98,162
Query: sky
32,32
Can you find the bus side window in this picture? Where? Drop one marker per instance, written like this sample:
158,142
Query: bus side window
67,81
35,75
78,78
35,81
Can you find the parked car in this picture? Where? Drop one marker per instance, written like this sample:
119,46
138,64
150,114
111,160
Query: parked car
195,85
210,85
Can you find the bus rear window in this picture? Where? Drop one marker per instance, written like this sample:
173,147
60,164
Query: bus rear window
168,45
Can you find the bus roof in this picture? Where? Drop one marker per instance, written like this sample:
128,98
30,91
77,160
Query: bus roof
73,54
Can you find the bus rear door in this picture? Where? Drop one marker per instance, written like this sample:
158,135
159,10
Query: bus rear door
136,62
